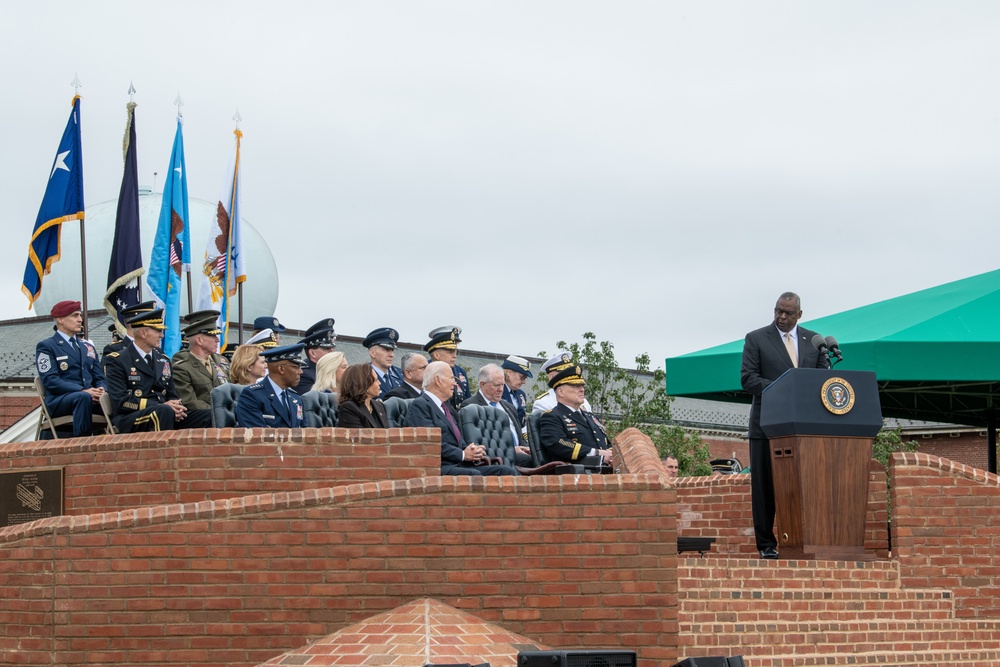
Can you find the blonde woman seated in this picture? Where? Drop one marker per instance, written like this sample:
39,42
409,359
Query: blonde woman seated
329,369
359,405
248,365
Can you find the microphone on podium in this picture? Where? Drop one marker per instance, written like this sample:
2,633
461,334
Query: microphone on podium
831,343
829,347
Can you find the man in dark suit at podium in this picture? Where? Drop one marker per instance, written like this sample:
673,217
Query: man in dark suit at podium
767,353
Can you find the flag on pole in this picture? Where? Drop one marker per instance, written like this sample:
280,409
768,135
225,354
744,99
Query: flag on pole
63,201
171,246
125,267
224,267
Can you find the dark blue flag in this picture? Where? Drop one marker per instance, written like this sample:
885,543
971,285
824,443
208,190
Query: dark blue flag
63,201
126,256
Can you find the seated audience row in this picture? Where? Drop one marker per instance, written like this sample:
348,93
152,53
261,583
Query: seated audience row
150,392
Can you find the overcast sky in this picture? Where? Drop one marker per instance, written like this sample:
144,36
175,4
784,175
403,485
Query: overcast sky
654,172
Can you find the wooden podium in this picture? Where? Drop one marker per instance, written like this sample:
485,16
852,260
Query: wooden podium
821,424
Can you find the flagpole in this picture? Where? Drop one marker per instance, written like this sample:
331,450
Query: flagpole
239,286
180,117
83,236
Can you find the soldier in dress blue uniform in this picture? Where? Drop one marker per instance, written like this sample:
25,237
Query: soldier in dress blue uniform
443,346
68,367
516,371
273,402
568,432
141,384
127,314
319,341
381,346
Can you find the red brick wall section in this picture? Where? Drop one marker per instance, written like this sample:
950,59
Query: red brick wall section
14,407
572,561
945,530
719,505
877,518
720,448
635,453
111,473
967,448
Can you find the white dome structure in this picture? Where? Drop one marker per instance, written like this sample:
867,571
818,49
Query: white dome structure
260,291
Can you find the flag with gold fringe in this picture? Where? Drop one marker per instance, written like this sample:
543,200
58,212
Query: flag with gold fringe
62,202
125,267
224,267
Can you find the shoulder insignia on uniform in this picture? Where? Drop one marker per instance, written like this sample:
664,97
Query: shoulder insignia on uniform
541,395
113,355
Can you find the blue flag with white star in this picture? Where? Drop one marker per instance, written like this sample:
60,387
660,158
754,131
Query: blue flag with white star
63,201
125,267
171,246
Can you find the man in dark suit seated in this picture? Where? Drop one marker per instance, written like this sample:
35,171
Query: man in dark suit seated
767,353
413,365
69,370
491,384
273,402
569,433
432,409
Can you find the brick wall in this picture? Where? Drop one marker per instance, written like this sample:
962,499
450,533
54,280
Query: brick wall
968,448
723,448
945,529
111,473
15,406
573,561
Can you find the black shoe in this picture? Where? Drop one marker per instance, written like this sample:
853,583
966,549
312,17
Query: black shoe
769,553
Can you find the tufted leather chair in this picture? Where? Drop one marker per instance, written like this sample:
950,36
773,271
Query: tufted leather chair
320,409
535,439
224,399
395,409
489,427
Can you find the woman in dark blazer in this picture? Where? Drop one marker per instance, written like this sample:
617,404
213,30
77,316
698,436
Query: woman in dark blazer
359,404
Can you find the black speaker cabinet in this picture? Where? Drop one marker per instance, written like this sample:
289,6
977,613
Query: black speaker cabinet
713,661
576,659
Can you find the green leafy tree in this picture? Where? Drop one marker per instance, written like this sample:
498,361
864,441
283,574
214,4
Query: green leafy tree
623,398
890,440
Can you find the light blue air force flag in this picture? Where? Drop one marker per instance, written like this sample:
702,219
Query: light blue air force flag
171,246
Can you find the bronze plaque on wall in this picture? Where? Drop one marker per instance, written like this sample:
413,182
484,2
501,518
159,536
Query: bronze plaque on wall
29,495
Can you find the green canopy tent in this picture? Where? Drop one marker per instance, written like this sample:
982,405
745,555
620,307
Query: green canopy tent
935,354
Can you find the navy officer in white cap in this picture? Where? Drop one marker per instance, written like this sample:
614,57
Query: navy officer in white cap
560,361
273,402
381,346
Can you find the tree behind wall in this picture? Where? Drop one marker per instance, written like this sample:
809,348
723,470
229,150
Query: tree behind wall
623,398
